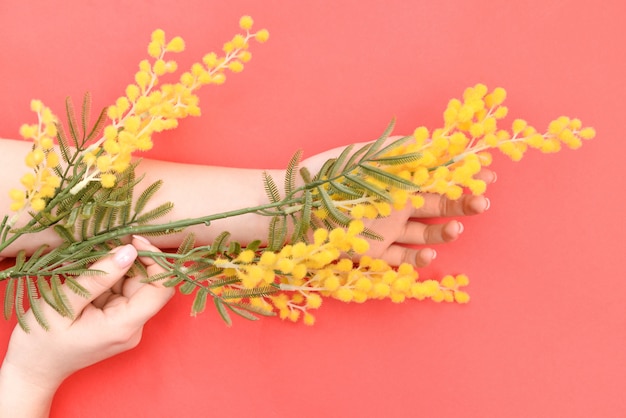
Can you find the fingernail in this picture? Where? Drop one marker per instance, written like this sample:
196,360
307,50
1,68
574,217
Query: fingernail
124,256
461,227
434,254
495,177
142,239
488,203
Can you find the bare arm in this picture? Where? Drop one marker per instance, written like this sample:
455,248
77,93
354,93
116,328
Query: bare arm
198,190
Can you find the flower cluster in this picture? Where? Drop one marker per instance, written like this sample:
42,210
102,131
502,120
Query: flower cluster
451,156
146,109
288,278
40,183
304,272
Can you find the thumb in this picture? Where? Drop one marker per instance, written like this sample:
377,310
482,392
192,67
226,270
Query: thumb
114,266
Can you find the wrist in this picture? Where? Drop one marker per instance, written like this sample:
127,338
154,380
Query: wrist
24,394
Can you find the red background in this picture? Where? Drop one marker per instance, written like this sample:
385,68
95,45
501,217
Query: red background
545,332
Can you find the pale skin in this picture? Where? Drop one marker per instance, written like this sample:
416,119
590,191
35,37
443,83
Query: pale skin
112,320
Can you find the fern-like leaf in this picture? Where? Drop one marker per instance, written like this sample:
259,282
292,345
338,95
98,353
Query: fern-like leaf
85,112
146,195
253,308
188,287
277,233
221,309
338,165
374,190
344,190
155,213
76,287
199,302
187,244
375,146
97,127
31,291
398,159
242,313
335,214
9,298
71,122
46,293
20,312
393,145
302,225
271,190
290,172
60,298
388,178
248,293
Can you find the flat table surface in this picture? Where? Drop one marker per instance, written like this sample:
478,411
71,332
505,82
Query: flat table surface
544,333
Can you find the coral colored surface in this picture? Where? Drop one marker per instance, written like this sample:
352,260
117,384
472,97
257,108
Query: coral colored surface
545,332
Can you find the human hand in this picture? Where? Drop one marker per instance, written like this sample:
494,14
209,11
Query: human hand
402,230
109,322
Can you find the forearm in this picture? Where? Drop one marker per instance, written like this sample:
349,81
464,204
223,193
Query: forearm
194,190
20,398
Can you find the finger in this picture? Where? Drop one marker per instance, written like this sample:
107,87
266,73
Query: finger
114,267
486,175
149,298
398,254
439,206
422,234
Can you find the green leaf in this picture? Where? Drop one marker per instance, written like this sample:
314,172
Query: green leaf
224,281
174,281
234,248
388,178
374,190
9,298
20,259
219,243
344,190
188,287
248,293
71,121
253,308
97,127
371,234
338,216
86,112
254,245
199,302
302,225
398,159
222,311
20,313
62,141
271,190
155,213
76,287
350,164
146,195
64,234
277,233
375,146
396,143
243,313
187,244
46,293
59,297
322,174
338,165
305,174
31,291
290,172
